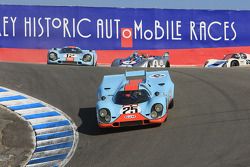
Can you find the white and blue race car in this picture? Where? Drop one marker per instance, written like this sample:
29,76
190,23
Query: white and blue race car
229,60
134,98
72,55
138,59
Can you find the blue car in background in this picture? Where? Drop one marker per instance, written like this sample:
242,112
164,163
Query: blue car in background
134,98
72,55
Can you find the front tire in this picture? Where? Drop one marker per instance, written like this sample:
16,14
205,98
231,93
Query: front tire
171,104
115,63
148,65
167,64
52,56
234,63
224,65
94,63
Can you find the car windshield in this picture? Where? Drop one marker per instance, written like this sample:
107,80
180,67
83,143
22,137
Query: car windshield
137,55
229,56
71,50
131,97
134,55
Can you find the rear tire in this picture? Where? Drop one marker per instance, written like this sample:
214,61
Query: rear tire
171,104
115,63
148,65
93,63
234,63
167,64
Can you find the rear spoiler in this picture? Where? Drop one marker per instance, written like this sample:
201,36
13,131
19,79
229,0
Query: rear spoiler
135,74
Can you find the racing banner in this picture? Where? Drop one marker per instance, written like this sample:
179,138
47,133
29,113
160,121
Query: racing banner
190,36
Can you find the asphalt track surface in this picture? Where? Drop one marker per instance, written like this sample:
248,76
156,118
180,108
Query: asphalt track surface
208,126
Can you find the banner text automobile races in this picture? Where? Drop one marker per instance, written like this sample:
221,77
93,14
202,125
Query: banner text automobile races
111,28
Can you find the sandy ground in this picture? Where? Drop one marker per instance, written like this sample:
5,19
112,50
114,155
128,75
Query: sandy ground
16,139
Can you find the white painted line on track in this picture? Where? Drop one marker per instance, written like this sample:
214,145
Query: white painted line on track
34,110
46,120
54,141
7,94
17,102
51,153
53,130
47,164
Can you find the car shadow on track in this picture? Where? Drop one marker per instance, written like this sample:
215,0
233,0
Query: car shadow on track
89,124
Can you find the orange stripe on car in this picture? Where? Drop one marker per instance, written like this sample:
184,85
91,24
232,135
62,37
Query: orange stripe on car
132,85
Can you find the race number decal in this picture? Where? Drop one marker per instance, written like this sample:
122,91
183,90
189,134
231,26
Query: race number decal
69,55
157,75
130,109
129,62
157,63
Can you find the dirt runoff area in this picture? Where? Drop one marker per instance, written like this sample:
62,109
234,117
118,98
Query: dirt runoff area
17,139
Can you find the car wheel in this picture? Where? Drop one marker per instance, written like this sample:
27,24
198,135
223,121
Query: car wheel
52,56
94,63
234,63
167,64
87,57
116,63
171,104
148,65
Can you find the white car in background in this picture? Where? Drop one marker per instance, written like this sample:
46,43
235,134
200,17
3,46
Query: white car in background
230,60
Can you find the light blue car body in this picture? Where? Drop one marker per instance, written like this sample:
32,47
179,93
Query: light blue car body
78,57
155,81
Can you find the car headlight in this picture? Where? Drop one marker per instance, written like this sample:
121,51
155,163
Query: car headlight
154,114
52,56
158,107
87,58
103,113
107,118
156,110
